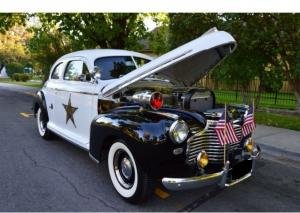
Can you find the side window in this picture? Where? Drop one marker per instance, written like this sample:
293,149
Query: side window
57,71
73,71
140,61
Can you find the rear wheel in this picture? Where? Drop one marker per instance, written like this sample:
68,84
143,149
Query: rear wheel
42,124
128,179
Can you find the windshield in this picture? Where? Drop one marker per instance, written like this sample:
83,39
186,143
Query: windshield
117,66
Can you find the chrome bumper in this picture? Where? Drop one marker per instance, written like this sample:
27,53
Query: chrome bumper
218,178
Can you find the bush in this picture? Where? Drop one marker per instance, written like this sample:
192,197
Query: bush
15,76
24,77
20,77
14,68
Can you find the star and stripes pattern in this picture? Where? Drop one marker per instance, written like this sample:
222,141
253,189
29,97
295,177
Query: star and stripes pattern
249,122
225,131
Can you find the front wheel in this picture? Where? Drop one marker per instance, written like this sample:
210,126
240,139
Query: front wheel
42,125
129,180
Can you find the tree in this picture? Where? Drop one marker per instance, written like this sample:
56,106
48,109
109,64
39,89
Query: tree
46,47
273,41
103,30
159,37
284,47
13,53
268,46
8,20
185,27
60,33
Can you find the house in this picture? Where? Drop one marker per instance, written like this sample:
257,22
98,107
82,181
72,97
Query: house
3,73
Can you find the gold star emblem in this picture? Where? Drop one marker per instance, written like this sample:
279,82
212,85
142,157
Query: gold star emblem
70,111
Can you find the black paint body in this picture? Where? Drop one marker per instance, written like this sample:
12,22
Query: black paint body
146,133
40,101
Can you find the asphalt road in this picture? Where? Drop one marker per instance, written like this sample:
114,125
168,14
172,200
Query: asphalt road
38,175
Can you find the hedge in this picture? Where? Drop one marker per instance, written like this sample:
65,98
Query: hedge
20,77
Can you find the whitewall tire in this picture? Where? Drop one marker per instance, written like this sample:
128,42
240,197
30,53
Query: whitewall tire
130,182
42,125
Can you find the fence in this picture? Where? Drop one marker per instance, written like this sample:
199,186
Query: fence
235,93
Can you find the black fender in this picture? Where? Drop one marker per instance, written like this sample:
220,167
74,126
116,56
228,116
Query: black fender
144,132
40,101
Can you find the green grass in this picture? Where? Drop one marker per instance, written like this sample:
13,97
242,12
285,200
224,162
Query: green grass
28,83
267,101
278,120
284,100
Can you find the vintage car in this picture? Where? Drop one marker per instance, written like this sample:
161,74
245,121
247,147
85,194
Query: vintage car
146,117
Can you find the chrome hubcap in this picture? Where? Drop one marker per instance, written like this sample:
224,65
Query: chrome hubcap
123,168
126,168
41,123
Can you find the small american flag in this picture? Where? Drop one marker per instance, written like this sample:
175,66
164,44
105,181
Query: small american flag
224,130
249,123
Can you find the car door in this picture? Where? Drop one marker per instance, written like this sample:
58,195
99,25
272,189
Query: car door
77,104
51,92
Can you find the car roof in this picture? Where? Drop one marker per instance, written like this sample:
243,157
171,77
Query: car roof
93,54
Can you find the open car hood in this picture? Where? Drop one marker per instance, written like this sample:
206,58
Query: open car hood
184,65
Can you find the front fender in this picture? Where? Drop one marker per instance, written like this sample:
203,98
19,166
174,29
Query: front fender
138,129
39,101
144,132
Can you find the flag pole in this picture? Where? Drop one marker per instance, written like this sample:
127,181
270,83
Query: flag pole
225,134
253,108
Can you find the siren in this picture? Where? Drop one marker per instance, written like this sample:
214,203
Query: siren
148,98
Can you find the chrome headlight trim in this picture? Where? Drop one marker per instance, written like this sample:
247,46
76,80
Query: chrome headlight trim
176,125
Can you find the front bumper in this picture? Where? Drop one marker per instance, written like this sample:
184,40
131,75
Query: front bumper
218,178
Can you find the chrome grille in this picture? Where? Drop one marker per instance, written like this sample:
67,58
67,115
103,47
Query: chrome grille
207,140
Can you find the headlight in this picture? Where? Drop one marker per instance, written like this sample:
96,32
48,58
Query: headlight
179,131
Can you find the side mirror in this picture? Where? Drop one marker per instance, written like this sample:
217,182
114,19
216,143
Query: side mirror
82,77
96,74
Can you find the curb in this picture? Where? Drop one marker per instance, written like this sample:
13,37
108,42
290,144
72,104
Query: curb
277,152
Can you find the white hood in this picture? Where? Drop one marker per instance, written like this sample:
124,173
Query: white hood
184,65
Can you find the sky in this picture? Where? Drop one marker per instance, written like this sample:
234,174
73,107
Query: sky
150,24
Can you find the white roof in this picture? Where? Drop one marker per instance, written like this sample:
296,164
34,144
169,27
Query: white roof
93,54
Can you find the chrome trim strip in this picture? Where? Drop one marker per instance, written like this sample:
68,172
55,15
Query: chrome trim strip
92,157
238,180
63,90
175,184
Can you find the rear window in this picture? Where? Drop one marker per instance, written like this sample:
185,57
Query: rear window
57,71
115,66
